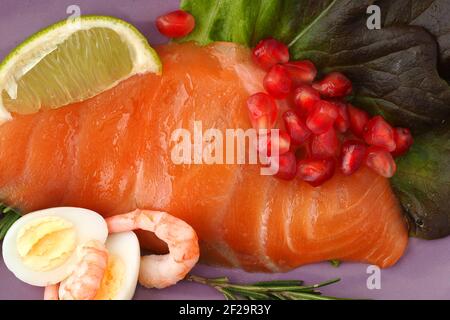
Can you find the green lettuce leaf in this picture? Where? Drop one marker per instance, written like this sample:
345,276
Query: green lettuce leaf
248,21
422,183
433,15
393,69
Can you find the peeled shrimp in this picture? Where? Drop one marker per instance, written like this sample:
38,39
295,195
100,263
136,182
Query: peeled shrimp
51,292
86,278
160,271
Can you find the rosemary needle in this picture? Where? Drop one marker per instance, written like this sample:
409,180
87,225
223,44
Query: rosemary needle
335,263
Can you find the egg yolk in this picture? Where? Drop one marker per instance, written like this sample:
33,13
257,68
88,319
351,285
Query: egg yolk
112,280
46,243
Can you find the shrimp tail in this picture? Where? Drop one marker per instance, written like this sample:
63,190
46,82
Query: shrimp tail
51,292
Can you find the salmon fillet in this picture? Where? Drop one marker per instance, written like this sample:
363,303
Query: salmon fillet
112,154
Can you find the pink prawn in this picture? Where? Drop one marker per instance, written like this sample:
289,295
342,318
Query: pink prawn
160,271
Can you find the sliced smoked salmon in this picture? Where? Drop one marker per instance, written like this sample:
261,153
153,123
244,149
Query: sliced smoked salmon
112,154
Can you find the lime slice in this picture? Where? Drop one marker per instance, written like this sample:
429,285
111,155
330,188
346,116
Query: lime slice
71,61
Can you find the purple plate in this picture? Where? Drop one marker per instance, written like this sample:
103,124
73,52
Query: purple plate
421,274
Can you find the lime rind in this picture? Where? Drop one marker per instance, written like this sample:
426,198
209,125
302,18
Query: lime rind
22,59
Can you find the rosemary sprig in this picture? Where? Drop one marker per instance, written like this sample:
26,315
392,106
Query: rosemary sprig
8,216
266,290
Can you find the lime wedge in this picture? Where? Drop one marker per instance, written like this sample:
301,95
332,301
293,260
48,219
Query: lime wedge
72,61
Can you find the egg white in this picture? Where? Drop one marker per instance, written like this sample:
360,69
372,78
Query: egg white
88,225
125,246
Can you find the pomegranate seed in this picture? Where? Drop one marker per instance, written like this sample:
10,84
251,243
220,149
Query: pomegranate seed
353,153
334,85
287,166
315,171
342,122
269,52
379,133
358,120
297,129
403,141
176,24
380,161
325,145
322,117
277,82
262,110
305,99
301,72
283,144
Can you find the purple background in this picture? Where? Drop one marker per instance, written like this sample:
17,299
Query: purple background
423,273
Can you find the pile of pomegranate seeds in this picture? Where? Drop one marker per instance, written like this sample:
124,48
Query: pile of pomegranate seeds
175,24
321,132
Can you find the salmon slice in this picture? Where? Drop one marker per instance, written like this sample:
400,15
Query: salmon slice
112,154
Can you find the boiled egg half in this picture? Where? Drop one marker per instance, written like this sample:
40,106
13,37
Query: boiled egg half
40,247
121,275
